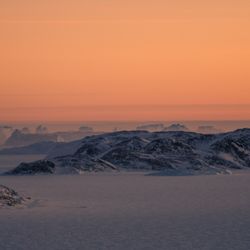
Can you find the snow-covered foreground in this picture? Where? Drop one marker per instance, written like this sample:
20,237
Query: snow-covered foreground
128,211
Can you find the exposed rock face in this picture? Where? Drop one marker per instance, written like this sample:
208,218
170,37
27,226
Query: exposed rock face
168,146
78,164
9,197
175,151
37,167
234,150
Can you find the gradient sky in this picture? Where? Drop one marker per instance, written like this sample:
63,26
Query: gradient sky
124,59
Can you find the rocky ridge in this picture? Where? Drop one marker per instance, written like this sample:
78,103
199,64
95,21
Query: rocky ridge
175,151
9,197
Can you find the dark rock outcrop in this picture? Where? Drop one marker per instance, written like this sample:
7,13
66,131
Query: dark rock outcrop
37,167
9,197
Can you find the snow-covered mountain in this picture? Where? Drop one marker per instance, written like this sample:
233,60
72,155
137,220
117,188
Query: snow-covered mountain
170,151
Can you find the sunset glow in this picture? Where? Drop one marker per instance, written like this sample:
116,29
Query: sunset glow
124,60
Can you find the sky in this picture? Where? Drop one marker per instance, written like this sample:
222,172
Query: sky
73,60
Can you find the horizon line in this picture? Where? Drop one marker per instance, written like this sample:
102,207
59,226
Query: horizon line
131,105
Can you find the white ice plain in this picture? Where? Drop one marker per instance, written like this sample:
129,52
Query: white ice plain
128,211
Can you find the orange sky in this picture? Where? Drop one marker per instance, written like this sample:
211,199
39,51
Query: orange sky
124,59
